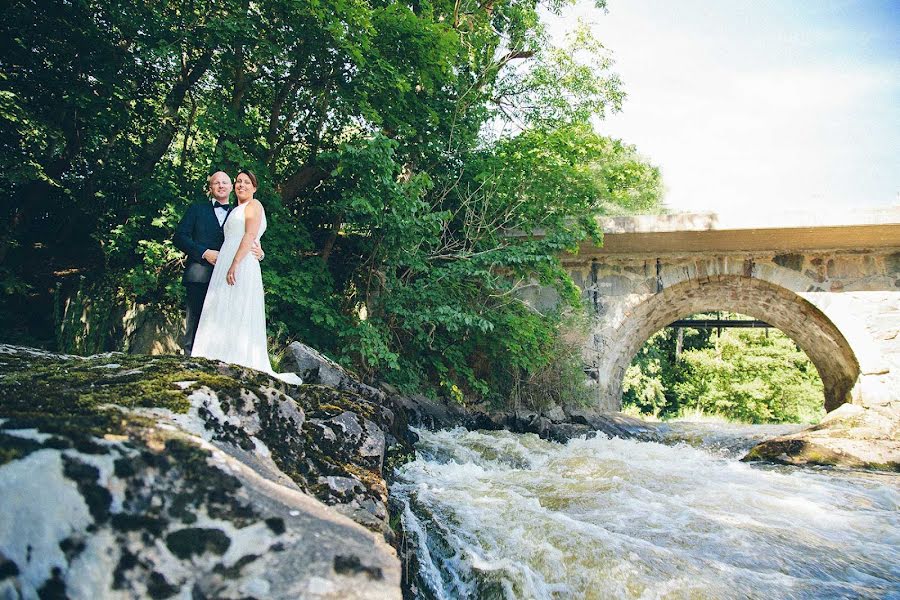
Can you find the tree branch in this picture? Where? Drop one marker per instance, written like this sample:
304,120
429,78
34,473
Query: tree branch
308,176
154,151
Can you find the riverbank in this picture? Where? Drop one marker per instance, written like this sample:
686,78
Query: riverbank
161,474
146,476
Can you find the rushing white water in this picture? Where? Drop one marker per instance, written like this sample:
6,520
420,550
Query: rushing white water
501,515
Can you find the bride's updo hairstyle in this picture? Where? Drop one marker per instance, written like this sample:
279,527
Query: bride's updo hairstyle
250,176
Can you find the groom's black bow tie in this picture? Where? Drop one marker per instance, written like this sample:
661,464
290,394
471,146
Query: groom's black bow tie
222,206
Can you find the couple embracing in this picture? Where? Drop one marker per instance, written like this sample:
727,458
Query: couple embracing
226,310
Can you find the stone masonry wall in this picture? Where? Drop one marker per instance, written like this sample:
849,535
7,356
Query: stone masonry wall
842,308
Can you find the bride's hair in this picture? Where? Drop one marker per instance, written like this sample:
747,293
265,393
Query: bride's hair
250,175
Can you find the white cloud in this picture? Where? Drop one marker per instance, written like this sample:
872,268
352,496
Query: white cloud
745,106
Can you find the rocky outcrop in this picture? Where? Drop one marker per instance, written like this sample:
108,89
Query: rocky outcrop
851,436
126,476
420,411
316,368
555,423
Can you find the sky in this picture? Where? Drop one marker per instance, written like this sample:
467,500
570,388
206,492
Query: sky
757,105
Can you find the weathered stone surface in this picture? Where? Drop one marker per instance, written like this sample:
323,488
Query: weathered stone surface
851,436
146,330
839,306
556,425
421,411
314,367
342,487
563,432
789,261
125,476
555,414
612,424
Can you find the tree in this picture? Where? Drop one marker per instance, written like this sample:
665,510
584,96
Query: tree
753,378
747,375
395,142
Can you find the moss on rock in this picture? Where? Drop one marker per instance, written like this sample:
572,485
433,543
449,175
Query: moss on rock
852,437
80,400
192,541
131,433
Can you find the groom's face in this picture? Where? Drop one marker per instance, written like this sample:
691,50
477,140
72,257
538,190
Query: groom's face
220,186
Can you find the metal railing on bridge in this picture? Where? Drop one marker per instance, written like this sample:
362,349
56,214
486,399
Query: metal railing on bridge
718,323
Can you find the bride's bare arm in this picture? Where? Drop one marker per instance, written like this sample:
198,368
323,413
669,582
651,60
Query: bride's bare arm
252,221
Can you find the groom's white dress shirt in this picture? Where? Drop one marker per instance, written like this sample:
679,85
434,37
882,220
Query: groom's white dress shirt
220,214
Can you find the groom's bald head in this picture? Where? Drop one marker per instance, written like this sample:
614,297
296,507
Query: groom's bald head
219,186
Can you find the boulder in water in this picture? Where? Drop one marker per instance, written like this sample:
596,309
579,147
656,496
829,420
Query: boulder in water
850,436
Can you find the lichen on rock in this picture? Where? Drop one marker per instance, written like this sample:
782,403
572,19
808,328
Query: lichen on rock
127,476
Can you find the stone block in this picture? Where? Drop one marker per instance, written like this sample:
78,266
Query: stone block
892,264
844,267
789,261
614,285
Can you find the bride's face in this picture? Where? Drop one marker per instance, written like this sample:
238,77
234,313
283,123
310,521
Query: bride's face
243,187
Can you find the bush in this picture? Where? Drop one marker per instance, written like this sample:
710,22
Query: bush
742,375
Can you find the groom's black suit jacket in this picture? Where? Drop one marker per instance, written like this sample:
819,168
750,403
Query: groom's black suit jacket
198,231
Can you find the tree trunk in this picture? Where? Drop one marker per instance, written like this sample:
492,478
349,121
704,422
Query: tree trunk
155,150
332,237
308,176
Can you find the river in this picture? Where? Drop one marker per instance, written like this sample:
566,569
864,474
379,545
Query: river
503,515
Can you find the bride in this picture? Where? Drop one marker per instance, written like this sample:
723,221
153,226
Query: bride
232,324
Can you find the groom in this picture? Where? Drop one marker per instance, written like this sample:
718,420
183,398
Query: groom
200,235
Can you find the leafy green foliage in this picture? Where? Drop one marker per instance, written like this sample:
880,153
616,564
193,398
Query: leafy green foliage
753,378
744,375
421,165
651,377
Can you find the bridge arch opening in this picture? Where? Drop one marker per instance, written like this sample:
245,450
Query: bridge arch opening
805,324
723,365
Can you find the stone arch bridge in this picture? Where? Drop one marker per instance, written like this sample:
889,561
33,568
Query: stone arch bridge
831,283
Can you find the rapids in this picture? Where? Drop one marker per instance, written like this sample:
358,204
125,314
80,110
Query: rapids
502,515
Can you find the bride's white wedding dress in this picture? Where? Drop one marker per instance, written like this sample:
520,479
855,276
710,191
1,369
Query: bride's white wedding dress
232,325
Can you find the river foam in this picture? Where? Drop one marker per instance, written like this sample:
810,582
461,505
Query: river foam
501,515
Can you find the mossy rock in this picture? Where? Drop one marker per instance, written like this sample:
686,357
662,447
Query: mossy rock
136,449
87,394
82,399
808,452
851,436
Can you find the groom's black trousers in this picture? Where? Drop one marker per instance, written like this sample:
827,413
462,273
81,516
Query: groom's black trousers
196,294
